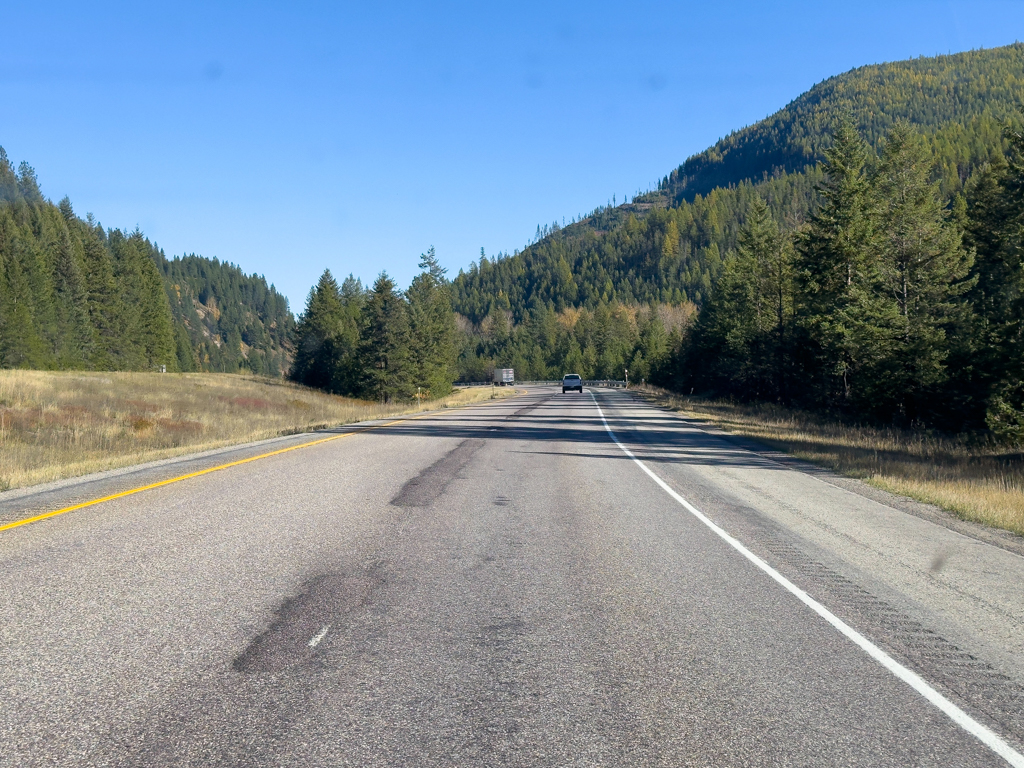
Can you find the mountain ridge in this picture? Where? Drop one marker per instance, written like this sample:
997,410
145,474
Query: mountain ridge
959,102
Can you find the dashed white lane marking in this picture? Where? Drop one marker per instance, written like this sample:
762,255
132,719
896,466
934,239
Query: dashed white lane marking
985,735
319,636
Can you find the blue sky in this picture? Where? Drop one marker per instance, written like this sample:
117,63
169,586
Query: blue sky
292,137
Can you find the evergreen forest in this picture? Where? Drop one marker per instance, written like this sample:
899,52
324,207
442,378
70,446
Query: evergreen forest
74,295
859,252
379,343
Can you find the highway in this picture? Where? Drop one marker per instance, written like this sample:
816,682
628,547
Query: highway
548,580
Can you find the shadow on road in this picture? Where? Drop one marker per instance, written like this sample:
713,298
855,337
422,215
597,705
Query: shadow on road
573,422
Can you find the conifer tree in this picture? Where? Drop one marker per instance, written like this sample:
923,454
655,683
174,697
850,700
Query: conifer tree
996,231
318,328
741,336
20,343
74,338
384,343
432,328
347,374
842,311
925,272
106,309
157,324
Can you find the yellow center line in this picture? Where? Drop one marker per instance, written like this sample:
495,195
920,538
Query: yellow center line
218,468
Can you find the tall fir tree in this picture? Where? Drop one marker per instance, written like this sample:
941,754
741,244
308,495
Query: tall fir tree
434,350
74,340
106,306
384,343
925,271
316,333
844,317
995,230
347,375
740,341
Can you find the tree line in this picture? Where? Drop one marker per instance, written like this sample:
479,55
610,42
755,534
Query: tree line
599,343
890,302
670,246
74,295
225,320
381,344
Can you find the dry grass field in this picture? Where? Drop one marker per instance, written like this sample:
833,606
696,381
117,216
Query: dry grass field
979,482
55,425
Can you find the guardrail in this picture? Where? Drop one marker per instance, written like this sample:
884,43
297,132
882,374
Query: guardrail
609,383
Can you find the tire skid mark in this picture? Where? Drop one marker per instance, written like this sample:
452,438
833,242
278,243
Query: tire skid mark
431,483
322,602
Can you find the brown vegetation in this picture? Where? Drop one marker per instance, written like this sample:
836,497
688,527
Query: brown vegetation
976,480
55,425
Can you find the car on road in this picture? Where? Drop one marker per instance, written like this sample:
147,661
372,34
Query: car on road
572,381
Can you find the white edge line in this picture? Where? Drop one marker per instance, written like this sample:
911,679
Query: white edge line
316,639
814,476
984,734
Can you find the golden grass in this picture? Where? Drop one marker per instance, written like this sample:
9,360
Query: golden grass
976,481
55,425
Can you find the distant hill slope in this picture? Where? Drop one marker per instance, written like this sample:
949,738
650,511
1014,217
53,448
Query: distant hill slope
669,245
76,296
959,100
233,321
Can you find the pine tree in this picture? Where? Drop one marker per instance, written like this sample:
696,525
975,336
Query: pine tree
925,270
741,338
347,374
106,309
156,322
318,328
74,339
996,231
434,349
21,345
384,343
842,310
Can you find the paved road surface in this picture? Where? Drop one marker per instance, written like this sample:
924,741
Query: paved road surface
504,585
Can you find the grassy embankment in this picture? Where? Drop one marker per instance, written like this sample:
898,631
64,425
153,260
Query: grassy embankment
64,424
975,481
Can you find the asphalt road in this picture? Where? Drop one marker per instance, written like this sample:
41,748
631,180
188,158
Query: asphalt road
505,585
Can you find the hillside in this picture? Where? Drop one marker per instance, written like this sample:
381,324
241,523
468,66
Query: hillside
669,246
232,321
959,101
74,295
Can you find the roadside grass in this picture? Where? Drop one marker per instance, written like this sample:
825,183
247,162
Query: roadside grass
976,481
55,425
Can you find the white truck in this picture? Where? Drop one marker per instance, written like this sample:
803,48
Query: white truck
504,377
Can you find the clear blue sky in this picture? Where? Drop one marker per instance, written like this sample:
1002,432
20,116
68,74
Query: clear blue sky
295,136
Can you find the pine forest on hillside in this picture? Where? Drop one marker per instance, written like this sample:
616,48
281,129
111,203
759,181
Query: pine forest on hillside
76,296
858,252
686,251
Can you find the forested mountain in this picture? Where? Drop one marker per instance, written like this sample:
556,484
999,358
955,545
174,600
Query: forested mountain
668,246
663,254
74,295
231,321
889,304
959,102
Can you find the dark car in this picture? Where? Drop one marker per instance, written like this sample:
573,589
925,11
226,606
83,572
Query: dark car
572,381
